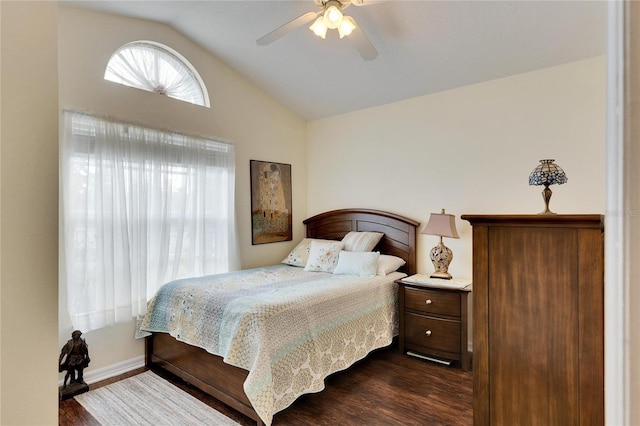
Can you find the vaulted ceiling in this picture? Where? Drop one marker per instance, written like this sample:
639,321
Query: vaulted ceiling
423,46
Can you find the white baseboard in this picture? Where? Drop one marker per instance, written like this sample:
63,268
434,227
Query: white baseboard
93,376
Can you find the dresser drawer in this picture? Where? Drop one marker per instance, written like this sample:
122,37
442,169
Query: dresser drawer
432,301
434,333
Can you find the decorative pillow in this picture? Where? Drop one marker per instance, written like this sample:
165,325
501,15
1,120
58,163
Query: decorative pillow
300,253
388,264
361,241
363,264
323,256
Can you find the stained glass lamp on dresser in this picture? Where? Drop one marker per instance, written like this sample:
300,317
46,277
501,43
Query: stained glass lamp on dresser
547,173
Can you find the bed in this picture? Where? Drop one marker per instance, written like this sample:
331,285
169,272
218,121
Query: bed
240,368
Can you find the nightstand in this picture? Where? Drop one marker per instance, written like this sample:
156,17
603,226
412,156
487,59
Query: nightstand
433,316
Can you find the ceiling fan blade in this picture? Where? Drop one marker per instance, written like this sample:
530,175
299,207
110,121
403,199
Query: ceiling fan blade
362,44
291,25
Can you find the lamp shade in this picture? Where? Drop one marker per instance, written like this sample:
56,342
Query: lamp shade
547,173
346,26
442,224
319,28
332,16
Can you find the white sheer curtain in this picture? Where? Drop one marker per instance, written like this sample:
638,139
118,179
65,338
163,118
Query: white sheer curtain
140,207
154,68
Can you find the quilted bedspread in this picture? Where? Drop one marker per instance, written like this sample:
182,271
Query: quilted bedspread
289,328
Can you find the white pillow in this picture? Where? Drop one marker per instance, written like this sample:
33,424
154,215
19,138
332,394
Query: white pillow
363,264
300,253
388,264
361,241
323,256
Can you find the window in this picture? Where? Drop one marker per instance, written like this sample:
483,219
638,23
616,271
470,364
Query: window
157,68
140,207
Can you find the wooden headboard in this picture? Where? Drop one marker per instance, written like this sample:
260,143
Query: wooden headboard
399,232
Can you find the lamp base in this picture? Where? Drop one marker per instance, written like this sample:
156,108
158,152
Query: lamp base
441,275
441,257
546,196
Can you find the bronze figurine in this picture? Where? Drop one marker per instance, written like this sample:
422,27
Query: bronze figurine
76,358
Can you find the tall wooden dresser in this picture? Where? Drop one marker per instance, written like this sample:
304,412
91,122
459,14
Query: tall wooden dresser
538,319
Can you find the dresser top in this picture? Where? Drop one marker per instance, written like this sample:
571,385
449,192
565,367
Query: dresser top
542,220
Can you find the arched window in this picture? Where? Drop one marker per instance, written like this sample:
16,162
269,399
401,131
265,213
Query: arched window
157,68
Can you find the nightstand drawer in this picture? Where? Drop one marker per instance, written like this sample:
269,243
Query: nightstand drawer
432,301
429,332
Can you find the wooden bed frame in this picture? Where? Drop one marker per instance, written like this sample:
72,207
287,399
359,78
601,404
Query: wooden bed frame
225,382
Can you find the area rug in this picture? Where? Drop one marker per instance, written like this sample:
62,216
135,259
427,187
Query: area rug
147,399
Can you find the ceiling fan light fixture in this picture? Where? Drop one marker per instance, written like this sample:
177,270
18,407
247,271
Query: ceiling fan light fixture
319,28
330,12
346,26
332,16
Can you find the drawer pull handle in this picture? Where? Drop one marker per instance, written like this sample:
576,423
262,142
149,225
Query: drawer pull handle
428,301
428,333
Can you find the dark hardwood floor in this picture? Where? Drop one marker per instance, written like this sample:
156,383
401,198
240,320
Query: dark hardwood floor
386,388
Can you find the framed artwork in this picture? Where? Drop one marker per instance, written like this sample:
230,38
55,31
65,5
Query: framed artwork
270,202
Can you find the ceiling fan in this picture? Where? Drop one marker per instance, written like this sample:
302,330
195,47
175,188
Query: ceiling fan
329,16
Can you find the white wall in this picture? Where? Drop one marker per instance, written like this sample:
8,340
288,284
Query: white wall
622,240
469,150
260,129
632,191
29,214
